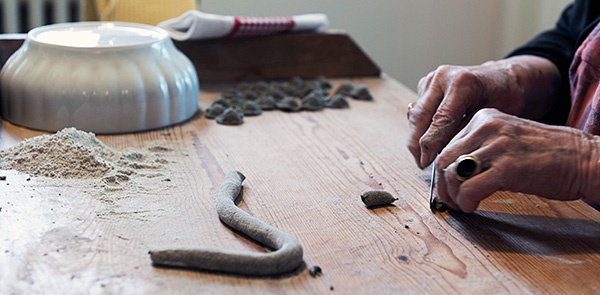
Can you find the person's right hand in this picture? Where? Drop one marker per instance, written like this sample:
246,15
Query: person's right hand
449,96
519,155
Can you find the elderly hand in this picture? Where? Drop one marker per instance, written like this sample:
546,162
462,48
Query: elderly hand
450,95
519,155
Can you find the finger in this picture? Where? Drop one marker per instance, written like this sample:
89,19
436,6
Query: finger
479,132
428,89
442,189
476,189
469,193
450,182
424,83
420,118
449,117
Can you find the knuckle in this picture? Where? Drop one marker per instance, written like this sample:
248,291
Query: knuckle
487,116
431,81
445,68
442,72
494,120
422,85
488,63
442,119
465,77
426,78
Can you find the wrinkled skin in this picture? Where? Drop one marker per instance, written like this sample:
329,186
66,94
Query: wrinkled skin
484,110
517,155
450,95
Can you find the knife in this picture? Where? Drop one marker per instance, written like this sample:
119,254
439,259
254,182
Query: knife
435,203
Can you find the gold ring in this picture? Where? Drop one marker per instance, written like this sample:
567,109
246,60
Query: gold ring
467,166
410,107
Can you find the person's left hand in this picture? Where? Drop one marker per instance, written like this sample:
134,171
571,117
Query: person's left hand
518,155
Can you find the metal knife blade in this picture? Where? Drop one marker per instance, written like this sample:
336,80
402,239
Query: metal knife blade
431,186
435,203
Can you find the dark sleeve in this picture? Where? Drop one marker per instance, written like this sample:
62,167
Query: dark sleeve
559,45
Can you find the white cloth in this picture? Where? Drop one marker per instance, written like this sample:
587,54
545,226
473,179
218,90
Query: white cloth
196,25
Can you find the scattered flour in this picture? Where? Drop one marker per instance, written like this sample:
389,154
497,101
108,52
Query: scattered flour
71,165
71,153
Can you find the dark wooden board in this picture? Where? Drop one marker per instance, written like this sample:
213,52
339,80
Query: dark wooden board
332,54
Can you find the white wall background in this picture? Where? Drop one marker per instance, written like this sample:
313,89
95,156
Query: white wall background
409,38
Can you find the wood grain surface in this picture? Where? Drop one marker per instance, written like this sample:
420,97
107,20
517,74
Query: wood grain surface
305,173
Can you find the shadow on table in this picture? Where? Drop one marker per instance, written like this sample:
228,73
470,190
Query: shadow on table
533,234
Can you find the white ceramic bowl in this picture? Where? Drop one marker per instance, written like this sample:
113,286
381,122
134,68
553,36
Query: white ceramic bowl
98,77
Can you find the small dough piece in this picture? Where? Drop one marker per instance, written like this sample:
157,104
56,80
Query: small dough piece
252,108
313,102
214,111
231,116
361,92
288,104
337,101
374,198
345,89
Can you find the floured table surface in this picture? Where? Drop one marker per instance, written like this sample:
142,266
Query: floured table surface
305,173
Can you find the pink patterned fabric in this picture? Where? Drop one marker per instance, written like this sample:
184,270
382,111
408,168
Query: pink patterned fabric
585,85
259,26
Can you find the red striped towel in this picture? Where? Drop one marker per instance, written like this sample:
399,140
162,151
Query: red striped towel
195,25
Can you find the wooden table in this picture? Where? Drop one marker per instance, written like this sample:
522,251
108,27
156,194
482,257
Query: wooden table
305,172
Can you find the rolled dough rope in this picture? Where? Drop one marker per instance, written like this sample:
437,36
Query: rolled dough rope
287,254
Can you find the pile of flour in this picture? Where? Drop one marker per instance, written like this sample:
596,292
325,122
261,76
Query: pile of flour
71,153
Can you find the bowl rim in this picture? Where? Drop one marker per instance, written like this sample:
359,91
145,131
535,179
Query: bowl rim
155,33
